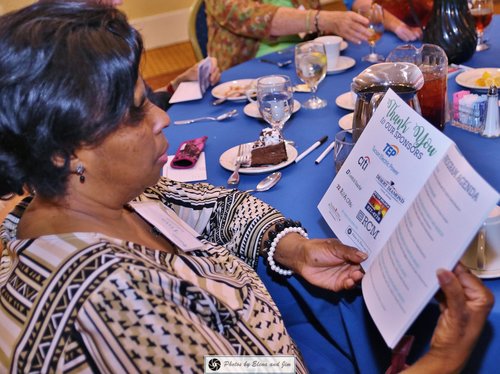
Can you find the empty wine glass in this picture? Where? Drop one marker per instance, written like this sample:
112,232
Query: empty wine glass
375,14
482,11
275,100
310,64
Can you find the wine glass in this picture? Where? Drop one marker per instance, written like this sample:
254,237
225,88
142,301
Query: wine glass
482,11
275,100
375,14
310,64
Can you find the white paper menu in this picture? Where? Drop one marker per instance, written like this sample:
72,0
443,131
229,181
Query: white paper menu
408,198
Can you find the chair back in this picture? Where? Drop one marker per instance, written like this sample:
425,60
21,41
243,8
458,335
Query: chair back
198,31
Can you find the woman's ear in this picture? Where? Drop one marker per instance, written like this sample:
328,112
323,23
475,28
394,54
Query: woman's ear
60,160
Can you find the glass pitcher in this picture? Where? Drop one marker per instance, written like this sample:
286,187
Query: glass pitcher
433,62
371,84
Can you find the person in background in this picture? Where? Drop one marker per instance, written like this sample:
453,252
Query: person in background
87,282
239,30
162,95
403,18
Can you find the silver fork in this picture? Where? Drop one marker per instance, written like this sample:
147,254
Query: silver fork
242,158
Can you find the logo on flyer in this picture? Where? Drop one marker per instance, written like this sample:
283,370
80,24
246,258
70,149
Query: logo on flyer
364,161
367,224
389,189
391,150
377,207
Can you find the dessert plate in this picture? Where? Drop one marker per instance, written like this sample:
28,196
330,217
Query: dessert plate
346,100
252,110
233,90
468,78
345,122
227,161
343,64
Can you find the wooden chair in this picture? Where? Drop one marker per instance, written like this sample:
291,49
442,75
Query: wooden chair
198,31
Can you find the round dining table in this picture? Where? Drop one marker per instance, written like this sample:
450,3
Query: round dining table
333,330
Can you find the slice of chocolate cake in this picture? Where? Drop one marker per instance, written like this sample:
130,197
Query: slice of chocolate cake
270,149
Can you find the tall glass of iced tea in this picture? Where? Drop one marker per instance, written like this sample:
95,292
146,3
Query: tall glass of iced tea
433,62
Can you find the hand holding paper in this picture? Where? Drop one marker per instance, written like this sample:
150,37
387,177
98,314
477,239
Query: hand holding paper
195,82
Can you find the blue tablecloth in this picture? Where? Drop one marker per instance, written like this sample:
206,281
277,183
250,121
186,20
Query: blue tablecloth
333,331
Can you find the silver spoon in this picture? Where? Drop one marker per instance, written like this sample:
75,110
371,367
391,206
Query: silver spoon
221,117
267,183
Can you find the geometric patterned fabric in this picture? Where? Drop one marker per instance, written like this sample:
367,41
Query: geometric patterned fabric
86,302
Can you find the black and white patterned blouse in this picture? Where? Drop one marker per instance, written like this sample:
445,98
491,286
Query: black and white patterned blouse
86,302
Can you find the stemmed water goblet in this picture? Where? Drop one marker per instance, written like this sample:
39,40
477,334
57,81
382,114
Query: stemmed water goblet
482,11
275,100
310,65
375,14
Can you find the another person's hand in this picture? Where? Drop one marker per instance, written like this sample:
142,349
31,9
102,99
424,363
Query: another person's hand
191,74
349,25
464,310
325,263
407,33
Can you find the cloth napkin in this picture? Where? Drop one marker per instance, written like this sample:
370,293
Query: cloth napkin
188,152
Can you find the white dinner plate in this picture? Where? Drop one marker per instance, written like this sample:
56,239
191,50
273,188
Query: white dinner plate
343,64
346,100
343,45
345,122
240,86
252,110
468,78
227,161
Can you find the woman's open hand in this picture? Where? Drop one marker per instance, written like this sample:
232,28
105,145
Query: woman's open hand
326,263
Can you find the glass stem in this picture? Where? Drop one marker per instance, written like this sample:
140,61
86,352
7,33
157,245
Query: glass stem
480,35
313,90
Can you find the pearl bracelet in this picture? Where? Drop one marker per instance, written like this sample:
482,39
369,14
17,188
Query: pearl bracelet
272,249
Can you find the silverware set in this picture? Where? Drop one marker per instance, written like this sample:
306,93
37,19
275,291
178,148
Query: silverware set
242,159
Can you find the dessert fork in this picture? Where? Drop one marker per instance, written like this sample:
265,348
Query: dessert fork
242,158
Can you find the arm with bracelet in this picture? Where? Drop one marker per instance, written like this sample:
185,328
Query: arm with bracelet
326,263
